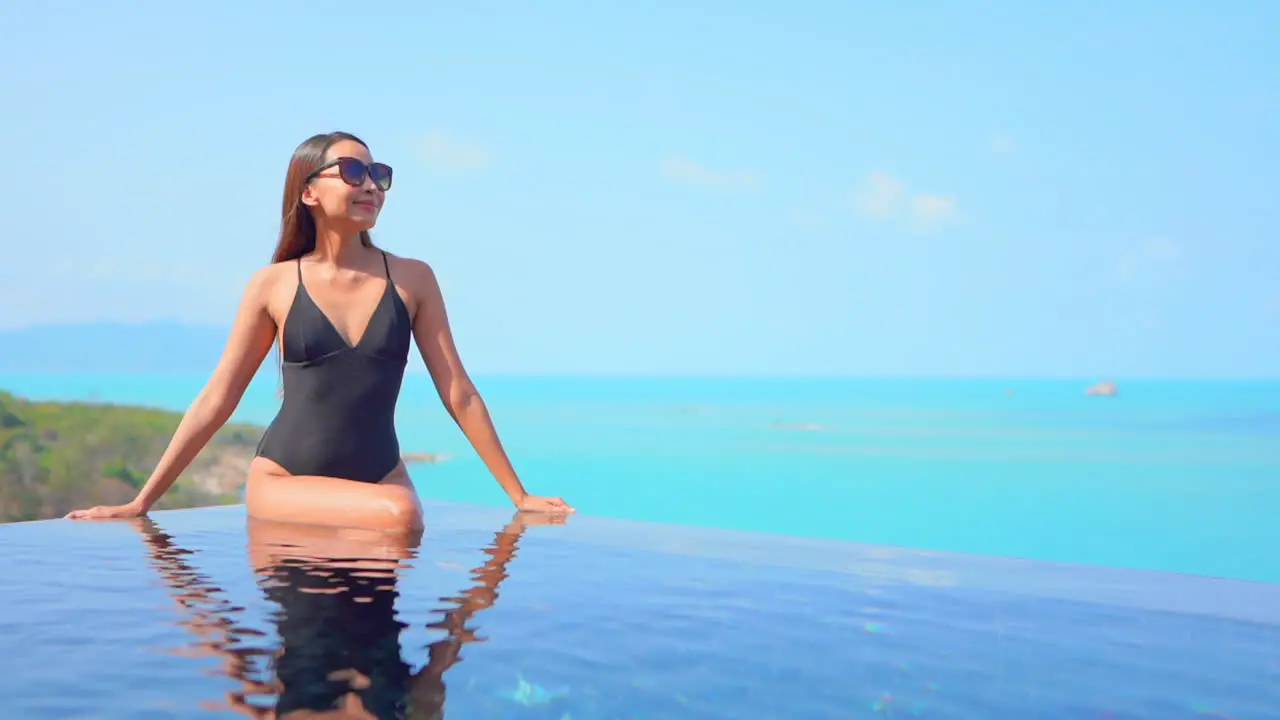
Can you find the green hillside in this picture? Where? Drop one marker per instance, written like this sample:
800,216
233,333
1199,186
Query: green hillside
56,457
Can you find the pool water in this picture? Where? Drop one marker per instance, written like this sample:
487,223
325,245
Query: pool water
492,617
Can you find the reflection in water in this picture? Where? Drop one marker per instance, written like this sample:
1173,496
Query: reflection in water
339,654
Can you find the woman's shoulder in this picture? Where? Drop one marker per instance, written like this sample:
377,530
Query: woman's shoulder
265,280
272,273
412,269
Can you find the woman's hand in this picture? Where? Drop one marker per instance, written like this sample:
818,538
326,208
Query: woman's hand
537,503
107,512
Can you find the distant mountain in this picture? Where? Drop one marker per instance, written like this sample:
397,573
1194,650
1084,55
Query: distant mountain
165,347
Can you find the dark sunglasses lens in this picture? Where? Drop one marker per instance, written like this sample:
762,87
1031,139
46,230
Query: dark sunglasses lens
352,171
381,175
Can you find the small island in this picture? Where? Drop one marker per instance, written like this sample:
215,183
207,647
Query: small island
1103,389
423,457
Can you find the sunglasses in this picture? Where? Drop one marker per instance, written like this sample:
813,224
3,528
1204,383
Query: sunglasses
353,171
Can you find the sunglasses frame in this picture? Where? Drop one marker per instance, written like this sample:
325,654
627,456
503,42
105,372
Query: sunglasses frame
366,171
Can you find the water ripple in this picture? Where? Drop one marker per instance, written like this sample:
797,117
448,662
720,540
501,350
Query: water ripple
183,617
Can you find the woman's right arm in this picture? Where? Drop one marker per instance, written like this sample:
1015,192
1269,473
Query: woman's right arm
251,337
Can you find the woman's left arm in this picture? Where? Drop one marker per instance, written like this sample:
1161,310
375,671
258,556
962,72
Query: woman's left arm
435,342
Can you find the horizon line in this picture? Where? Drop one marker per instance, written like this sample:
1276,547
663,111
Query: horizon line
729,375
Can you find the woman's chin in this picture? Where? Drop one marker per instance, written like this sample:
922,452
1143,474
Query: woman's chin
362,222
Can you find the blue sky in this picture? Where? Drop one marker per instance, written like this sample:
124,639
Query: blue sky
733,188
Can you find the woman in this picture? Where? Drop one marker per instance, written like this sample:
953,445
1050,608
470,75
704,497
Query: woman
344,313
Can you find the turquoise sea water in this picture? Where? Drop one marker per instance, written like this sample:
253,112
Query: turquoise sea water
1175,476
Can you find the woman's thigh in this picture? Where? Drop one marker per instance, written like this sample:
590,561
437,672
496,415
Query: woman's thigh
273,543
275,495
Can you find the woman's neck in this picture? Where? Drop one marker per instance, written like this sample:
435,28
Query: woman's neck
336,247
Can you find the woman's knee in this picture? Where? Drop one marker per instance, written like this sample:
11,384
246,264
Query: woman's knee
399,503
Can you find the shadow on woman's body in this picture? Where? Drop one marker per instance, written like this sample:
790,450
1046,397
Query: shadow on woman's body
339,654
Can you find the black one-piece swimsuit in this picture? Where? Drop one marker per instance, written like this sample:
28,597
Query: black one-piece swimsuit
337,418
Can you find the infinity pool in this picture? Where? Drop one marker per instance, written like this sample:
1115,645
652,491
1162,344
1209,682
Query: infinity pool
490,617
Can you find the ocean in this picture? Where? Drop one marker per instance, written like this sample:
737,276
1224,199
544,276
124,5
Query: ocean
1177,476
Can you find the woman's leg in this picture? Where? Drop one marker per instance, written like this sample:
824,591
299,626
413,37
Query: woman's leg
273,542
275,495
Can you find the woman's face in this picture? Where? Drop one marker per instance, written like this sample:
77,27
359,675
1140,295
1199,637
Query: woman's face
349,189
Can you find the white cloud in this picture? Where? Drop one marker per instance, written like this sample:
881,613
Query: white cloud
1002,144
683,171
929,211
1152,253
882,197
879,196
445,152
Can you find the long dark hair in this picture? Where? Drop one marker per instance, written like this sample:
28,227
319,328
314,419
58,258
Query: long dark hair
297,226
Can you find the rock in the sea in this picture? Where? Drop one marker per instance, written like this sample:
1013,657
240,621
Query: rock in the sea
421,457
1105,389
